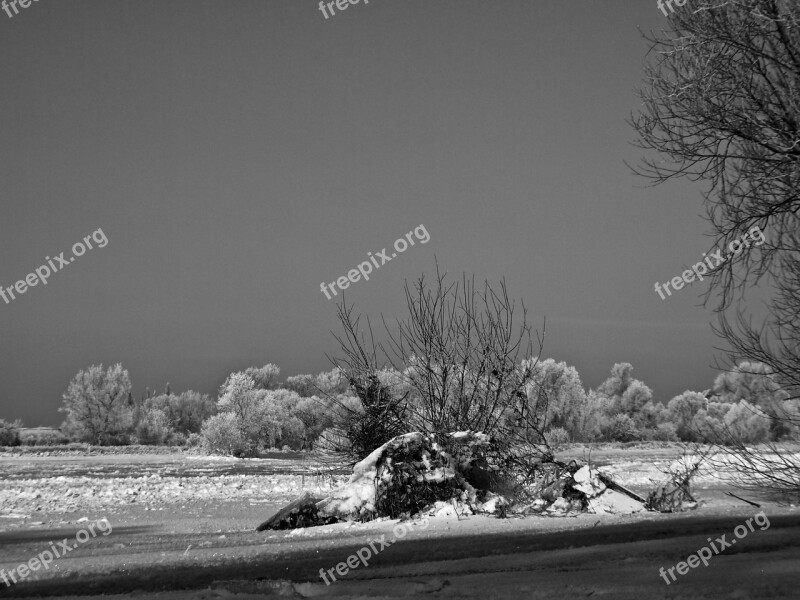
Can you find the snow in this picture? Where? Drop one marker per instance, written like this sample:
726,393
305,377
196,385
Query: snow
68,494
614,502
586,481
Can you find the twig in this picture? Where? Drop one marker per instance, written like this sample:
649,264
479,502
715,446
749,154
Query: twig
743,500
455,508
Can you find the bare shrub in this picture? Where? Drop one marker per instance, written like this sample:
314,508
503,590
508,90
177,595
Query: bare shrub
461,361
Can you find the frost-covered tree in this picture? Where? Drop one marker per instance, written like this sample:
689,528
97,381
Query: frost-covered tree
332,382
264,378
236,396
634,399
682,410
756,384
263,418
618,382
316,413
96,405
620,428
561,396
649,417
154,427
594,416
305,385
221,435
748,381
747,423
9,433
186,412
627,396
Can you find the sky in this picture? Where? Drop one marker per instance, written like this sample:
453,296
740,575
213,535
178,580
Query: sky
236,154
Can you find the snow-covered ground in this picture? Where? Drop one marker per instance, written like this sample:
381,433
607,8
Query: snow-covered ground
187,522
43,485
36,485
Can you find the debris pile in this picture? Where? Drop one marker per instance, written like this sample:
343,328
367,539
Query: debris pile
411,474
299,513
562,488
405,475
401,477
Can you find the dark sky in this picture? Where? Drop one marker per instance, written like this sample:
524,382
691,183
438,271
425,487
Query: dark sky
236,154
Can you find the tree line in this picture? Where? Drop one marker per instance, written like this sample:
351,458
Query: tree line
256,411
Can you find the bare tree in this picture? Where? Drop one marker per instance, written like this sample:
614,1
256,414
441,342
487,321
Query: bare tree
776,341
462,352
721,105
464,358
